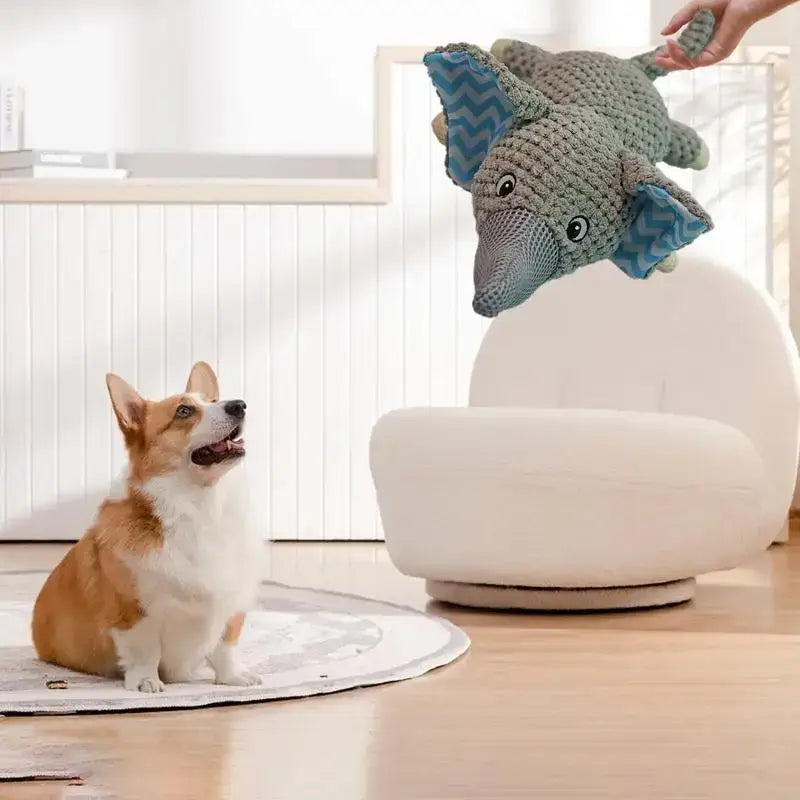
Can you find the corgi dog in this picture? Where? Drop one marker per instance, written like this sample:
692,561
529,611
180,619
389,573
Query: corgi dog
161,582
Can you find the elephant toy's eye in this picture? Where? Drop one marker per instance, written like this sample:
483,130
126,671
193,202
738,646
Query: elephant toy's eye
506,185
578,228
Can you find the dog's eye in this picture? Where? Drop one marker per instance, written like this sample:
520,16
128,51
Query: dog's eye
578,228
505,185
184,411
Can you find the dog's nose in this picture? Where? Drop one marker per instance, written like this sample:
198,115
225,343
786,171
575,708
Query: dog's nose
236,408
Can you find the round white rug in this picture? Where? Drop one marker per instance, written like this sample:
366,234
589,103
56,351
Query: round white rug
302,642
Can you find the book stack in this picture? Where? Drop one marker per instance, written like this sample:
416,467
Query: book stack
17,163
21,164
12,107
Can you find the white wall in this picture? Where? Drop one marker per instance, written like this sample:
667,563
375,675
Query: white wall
275,76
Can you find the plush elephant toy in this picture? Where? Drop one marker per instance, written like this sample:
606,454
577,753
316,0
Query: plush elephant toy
559,153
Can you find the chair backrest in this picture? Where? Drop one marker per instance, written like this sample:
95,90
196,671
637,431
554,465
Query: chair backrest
701,341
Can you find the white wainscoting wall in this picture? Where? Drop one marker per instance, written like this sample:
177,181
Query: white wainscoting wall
321,317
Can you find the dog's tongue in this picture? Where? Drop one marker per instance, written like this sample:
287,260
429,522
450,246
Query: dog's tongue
225,445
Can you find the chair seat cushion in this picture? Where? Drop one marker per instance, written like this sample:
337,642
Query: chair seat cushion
565,498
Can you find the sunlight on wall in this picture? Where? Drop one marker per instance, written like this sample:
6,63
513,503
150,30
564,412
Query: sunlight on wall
281,76
612,23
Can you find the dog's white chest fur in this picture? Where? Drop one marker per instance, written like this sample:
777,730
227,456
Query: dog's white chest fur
207,570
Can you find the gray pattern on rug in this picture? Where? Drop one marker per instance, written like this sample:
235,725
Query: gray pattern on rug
302,642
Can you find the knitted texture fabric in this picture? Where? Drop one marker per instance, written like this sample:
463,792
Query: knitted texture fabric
569,141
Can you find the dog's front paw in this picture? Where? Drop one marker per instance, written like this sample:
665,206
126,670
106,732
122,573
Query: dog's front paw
149,684
240,677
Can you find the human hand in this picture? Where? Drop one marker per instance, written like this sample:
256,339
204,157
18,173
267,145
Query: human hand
734,18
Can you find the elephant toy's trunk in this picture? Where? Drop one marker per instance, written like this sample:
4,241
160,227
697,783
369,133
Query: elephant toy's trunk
693,40
516,254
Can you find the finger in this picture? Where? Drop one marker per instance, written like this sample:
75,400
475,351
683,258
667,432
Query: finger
681,18
728,38
709,57
662,59
678,54
666,63
722,46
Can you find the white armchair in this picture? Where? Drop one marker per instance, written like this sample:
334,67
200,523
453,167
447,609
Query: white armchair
622,437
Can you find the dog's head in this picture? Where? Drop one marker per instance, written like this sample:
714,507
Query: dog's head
194,432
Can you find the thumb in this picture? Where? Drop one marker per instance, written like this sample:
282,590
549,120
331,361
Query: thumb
729,33
711,55
722,46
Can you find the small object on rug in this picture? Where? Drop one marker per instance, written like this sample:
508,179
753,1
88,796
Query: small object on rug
300,641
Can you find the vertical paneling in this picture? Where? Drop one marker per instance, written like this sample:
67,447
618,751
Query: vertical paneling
256,358
124,303
732,180
310,373
417,234
152,319
336,368
204,283
322,318
97,347
71,351
706,184
468,325
44,356
755,136
390,319
178,295
230,300
16,395
445,269
363,366
283,369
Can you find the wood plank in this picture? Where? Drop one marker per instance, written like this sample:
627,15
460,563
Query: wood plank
98,433
71,355
44,354
283,371
310,373
15,295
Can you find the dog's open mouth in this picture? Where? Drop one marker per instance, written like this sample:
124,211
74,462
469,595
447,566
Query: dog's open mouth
232,446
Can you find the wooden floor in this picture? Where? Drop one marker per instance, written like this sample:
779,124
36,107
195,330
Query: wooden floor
699,701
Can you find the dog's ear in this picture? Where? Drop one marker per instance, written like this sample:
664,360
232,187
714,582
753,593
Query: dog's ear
128,405
202,380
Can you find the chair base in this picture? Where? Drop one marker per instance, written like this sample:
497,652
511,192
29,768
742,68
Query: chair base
524,598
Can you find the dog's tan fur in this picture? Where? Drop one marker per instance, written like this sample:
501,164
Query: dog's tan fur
93,590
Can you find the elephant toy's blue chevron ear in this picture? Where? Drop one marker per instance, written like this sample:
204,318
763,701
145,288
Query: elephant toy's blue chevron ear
663,218
482,101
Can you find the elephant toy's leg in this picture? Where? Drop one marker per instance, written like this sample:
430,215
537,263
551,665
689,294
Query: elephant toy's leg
668,263
520,57
686,148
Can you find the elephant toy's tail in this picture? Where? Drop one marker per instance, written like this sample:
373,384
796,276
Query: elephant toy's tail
694,38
